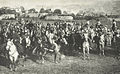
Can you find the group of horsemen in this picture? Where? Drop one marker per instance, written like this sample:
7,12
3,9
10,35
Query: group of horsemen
26,36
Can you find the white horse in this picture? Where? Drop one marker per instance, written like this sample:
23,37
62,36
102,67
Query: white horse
13,54
56,46
86,45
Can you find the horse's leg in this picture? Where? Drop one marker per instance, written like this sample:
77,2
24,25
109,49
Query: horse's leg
88,51
55,56
84,53
25,53
59,56
7,55
103,52
92,38
43,55
43,60
10,66
100,50
110,41
14,63
11,63
107,42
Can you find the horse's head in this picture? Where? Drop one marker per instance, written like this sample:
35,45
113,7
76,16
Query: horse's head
9,44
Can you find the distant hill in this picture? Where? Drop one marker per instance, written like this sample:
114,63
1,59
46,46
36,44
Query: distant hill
106,6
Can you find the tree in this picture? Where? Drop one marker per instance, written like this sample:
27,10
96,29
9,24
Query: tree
22,9
80,13
48,11
32,10
42,10
65,12
57,11
4,10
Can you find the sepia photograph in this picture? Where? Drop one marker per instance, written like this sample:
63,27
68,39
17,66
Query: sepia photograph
59,36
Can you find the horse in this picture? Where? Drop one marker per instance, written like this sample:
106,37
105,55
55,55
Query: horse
85,45
42,49
20,48
13,54
78,40
40,43
70,38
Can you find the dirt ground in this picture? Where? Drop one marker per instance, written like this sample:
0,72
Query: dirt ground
107,64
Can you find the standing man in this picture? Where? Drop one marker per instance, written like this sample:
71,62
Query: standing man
114,29
114,26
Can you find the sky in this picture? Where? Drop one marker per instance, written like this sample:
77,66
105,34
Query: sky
35,3
66,5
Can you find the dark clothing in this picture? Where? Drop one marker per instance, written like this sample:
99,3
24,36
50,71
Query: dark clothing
15,36
19,47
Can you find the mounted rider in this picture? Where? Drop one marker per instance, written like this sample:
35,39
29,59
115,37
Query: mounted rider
86,26
99,27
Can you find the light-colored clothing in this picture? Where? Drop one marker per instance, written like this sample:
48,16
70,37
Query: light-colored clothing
51,35
28,41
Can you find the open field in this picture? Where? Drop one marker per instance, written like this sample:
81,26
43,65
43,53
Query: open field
108,64
104,21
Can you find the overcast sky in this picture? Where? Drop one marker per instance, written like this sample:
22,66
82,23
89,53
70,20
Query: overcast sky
33,3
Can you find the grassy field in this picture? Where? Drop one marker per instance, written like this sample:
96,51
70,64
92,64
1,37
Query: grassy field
69,65
104,21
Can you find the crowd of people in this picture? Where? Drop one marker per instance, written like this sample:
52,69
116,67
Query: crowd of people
27,35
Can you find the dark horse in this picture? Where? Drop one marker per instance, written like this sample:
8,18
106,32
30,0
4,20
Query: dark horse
43,47
100,42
